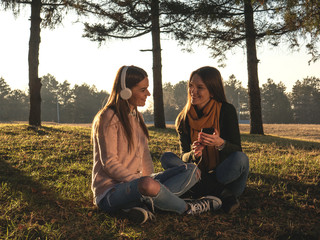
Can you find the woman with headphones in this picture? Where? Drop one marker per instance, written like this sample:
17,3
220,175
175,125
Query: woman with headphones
122,176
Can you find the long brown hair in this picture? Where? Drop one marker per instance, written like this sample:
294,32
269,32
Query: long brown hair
134,75
211,77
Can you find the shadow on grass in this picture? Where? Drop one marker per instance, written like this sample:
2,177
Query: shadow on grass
280,141
32,210
277,215
41,131
289,207
45,130
31,197
311,190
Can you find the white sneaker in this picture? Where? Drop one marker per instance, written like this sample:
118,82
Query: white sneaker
203,204
138,215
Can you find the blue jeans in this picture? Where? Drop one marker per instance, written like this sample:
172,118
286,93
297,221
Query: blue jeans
232,173
173,183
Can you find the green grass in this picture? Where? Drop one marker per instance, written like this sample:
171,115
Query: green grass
45,190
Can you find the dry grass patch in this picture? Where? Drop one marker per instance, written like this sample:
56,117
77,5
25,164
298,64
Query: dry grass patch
310,132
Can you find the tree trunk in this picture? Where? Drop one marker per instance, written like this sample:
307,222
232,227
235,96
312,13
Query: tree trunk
256,126
33,60
159,120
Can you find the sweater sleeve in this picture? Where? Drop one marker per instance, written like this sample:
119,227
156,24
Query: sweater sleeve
185,145
107,141
147,164
148,168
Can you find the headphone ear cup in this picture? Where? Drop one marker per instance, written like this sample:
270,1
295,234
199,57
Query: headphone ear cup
125,94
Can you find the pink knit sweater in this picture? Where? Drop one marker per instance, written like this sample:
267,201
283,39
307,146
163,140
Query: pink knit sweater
112,161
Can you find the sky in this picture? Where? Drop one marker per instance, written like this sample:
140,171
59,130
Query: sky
67,56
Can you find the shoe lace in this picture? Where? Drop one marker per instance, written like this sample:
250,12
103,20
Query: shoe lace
199,207
151,216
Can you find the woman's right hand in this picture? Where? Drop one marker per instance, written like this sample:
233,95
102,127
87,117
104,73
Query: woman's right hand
197,148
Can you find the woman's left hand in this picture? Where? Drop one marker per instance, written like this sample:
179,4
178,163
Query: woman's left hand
210,139
197,148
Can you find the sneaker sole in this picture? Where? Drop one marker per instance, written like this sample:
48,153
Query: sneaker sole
136,215
217,200
233,208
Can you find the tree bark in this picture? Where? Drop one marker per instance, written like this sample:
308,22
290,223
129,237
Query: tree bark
256,126
33,60
159,119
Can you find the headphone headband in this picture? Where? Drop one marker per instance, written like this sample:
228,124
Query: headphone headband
123,77
125,92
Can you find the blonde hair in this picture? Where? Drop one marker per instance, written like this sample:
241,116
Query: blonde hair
121,107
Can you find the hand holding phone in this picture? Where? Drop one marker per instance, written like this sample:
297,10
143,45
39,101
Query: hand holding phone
208,130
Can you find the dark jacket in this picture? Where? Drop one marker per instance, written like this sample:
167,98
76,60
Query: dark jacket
229,131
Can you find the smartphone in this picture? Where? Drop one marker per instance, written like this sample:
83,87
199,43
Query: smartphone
208,130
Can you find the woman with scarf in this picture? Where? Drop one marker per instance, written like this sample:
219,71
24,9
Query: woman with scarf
218,154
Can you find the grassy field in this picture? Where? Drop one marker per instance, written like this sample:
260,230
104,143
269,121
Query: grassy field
45,188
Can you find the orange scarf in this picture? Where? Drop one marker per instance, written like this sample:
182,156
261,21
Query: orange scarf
210,118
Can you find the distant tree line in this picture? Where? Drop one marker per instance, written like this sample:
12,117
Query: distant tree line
61,103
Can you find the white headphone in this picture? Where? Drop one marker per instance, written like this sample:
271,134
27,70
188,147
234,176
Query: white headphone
125,92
